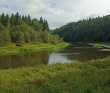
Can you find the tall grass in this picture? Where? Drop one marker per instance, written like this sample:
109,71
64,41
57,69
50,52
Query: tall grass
100,44
30,47
89,77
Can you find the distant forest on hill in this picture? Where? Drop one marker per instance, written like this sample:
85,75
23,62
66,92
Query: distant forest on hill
90,30
23,29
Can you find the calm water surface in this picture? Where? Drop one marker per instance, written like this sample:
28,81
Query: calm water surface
72,53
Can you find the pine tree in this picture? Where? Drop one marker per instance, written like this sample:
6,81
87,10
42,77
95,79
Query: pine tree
3,19
41,20
45,26
17,19
7,21
23,18
2,28
12,20
29,20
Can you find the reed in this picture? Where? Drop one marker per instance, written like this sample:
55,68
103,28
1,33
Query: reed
88,77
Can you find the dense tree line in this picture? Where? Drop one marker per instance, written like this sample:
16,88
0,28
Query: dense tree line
17,28
90,30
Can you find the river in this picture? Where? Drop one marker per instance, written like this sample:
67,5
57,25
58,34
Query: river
71,53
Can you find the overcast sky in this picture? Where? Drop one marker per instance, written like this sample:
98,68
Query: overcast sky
57,12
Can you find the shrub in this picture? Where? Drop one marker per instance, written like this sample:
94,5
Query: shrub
19,44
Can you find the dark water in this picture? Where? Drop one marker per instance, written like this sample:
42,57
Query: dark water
69,54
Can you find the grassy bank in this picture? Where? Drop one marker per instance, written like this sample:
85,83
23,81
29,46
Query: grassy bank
30,47
101,44
89,77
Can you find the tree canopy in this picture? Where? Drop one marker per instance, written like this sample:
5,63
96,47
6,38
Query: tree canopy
17,28
90,30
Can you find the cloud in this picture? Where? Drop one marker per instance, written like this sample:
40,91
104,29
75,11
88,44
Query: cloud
57,12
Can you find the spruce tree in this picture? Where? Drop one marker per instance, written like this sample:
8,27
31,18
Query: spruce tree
12,20
7,21
17,19
3,18
41,20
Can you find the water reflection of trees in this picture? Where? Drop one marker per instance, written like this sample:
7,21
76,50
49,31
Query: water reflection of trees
24,59
82,52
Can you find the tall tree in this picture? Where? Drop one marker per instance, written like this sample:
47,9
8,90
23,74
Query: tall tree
46,37
90,30
45,25
29,20
2,28
18,20
4,38
41,20
3,18
36,25
7,21
12,20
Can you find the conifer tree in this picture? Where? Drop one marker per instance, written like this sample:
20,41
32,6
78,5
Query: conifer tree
12,20
3,19
41,20
7,21
29,20
17,19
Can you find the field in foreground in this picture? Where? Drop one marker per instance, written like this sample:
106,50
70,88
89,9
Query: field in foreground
89,77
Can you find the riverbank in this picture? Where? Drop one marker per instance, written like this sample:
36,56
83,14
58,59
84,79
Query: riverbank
12,48
88,77
101,44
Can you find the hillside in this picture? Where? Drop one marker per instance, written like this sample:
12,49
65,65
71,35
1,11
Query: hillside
90,30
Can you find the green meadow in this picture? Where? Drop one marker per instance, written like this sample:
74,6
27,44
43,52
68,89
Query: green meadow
78,77
12,48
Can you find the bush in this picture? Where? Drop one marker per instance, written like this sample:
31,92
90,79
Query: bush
27,41
19,44
54,43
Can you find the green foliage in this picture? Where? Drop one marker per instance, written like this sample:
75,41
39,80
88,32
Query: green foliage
4,38
3,19
41,20
7,20
16,34
2,28
18,20
36,25
46,37
44,23
88,77
97,45
12,20
19,44
45,26
90,30
25,29
27,20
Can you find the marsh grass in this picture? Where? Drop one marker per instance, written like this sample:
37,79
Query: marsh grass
101,44
12,48
89,77
97,45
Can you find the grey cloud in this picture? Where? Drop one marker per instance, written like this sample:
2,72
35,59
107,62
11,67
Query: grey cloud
57,12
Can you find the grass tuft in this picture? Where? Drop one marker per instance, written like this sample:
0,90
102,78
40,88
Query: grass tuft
89,77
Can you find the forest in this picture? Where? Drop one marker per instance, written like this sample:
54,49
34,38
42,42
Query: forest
35,35
23,29
89,30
